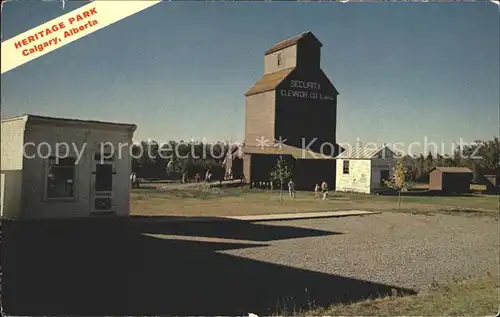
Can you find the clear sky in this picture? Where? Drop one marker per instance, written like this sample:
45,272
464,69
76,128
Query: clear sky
179,70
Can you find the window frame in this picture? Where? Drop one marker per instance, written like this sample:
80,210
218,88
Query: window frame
46,182
281,60
344,167
97,160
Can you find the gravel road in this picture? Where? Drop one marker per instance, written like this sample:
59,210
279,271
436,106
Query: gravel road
229,268
409,251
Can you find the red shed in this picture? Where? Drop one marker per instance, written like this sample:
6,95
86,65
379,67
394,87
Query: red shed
450,179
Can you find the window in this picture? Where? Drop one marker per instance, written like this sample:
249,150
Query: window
60,178
280,59
346,167
384,176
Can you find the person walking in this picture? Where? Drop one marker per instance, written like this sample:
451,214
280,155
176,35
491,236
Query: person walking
324,189
291,188
134,180
316,190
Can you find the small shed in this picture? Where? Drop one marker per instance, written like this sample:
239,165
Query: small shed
363,169
64,168
450,179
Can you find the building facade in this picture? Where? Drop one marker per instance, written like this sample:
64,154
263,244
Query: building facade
292,111
363,170
450,179
64,168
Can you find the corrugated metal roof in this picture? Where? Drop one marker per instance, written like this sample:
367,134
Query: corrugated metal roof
287,150
361,152
269,82
445,169
289,42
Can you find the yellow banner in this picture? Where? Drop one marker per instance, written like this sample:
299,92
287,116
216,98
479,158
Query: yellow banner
65,29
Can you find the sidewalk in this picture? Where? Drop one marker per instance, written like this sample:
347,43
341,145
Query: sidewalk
302,215
253,218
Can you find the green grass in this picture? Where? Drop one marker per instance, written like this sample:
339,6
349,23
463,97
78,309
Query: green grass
244,201
472,297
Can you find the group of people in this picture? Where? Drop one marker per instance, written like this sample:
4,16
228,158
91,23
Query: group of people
317,188
134,180
208,177
324,190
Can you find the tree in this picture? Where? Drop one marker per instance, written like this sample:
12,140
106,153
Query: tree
440,160
422,173
483,157
400,178
281,174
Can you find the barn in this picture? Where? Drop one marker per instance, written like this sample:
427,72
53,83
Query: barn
450,179
363,169
292,107
64,168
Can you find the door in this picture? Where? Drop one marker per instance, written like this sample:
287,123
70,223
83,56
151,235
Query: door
384,176
102,184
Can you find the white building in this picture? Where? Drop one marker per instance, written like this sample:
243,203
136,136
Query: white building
363,169
64,168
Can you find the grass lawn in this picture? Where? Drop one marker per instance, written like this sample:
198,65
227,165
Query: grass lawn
244,201
473,297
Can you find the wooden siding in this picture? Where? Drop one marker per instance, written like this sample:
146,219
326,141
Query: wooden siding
450,181
12,165
288,57
304,120
297,115
259,118
358,179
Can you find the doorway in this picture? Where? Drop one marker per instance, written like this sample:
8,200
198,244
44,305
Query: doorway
102,187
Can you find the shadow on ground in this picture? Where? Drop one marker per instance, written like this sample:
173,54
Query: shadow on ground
221,228
112,268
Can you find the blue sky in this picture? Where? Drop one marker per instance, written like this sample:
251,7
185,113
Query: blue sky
179,70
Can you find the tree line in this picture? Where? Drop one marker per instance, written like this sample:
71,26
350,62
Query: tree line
179,160
182,160
482,157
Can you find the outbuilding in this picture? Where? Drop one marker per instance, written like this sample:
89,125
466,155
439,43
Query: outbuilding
363,169
64,168
450,179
